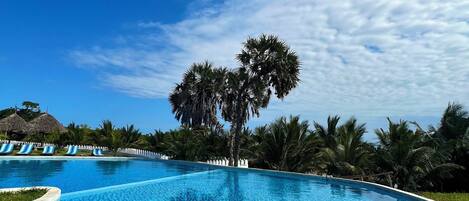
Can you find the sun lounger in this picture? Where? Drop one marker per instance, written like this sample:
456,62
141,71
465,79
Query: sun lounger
97,152
3,148
6,149
26,149
48,150
72,150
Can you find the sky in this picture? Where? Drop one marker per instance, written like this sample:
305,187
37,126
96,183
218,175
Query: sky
92,60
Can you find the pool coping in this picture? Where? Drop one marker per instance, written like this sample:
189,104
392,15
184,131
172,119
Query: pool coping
52,194
66,158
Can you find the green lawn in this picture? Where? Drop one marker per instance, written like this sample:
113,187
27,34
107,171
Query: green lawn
26,195
446,196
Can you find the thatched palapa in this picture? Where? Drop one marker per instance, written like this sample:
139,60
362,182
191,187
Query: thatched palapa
46,123
14,123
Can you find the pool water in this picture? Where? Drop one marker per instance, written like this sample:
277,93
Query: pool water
136,180
78,175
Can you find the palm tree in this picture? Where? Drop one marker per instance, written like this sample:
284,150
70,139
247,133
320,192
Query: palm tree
406,153
74,135
345,152
130,135
329,134
183,145
110,137
289,146
455,122
267,66
194,101
452,136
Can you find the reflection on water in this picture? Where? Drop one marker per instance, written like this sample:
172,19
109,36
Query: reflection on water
205,185
337,190
227,184
235,192
193,195
110,167
77,175
32,171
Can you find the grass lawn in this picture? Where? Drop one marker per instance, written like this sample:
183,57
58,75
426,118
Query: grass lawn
446,196
26,195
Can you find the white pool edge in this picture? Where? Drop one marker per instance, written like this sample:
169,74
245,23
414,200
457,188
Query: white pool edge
52,194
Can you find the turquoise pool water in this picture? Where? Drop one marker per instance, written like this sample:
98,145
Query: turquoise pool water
136,180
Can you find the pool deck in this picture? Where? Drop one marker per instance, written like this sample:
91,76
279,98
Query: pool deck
66,158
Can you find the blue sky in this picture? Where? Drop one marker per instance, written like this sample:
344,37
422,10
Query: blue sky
86,61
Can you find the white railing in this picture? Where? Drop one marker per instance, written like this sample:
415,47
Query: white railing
87,147
35,144
130,151
143,153
243,163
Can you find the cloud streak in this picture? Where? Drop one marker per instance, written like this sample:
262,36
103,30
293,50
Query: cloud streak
368,58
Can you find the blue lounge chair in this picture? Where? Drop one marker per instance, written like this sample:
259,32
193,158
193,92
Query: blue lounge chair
72,150
26,149
97,152
3,148
6,148
48,150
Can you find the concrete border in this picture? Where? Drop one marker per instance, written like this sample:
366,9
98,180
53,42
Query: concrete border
52,194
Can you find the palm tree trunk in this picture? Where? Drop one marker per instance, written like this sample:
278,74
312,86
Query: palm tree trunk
236,144
230,162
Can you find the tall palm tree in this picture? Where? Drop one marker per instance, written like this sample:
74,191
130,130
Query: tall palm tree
194,101
267,66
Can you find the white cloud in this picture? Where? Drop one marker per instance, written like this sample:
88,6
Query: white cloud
365,57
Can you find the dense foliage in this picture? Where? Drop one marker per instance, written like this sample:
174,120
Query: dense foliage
412,158
28,111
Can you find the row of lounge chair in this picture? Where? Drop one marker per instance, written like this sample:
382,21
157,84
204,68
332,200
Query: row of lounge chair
27,149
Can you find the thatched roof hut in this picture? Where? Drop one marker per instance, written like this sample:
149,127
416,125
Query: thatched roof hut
14,123
46,123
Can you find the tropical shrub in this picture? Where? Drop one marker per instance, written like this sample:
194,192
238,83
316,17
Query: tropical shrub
288,145
408,155
345,152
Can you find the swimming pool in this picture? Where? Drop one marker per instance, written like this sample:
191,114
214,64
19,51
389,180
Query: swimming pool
172,180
